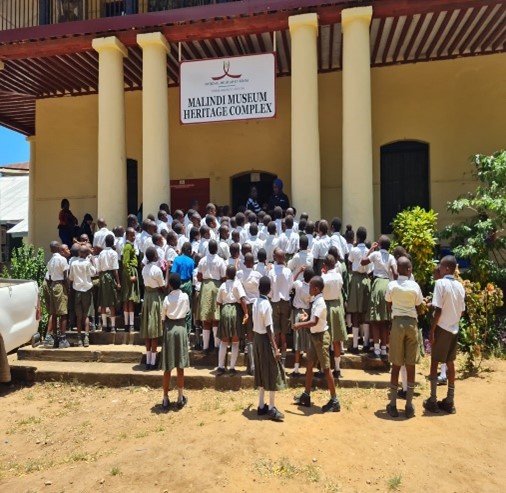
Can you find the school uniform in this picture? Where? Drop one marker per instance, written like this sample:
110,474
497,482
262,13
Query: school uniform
119,244
360,284
303,258
100,236
332,289
301,303
212,268
382,263
151,322
224,249
181,240
107,263
261,268
203,248
81,272
256,243
449,296
405,295
271,243
170,254
320,250
129,289
58,296
281,285
185,266
175,307
250,280
243,234
289,242
229,298
337,240
269,373
161,226
319,335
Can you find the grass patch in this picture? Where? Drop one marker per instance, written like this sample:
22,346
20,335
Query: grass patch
116,471
394,483
82,457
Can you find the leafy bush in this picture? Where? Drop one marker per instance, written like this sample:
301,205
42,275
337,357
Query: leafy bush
415,230
26,263
479,237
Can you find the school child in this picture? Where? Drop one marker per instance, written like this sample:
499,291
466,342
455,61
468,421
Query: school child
224,241
321,246
254,241
205,237
74,255
110,285
277,215
181,238
57,282
195,222
404,298
249,279
261,265
235,235
282,283
288,239
151,323
292,212
448,302
269,374
301,303
262,228
170,252
175,307
240,220
211,271
359,290
319,338
235,255
302,258
212,223
231,299
100,235
119,240
162,221
332,294
195,240
144,236
130,292
310,229
384,271
337,239
272,241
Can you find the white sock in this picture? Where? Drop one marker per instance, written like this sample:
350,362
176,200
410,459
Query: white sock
261,397
113,322
216,338
235,354
377,348
131,318
443,370
251,357
342,346
404,378
383,350
179,393
272,396
337,362
206,336
355,337
125,316
222,354
104,320
148,357
296,367
348,319
365,328
153,357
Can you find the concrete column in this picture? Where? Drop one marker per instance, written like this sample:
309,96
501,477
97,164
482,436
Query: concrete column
155,122
358,208
112,182
306,189
31,192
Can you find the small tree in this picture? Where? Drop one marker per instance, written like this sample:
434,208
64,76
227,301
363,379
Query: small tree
479,237
415,230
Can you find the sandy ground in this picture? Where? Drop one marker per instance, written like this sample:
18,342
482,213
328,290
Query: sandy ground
72,438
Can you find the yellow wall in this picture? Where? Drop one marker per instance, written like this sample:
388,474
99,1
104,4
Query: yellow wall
456,106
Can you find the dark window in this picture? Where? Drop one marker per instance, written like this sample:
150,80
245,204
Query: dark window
404,179
132,187
241,186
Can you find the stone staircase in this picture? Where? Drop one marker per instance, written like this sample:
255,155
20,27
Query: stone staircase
117,360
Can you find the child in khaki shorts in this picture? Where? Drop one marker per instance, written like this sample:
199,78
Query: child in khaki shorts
403,298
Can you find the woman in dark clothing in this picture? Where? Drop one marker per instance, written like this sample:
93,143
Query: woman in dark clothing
278,198
86,228
67,223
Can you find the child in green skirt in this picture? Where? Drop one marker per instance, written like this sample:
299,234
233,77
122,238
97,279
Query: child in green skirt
130,293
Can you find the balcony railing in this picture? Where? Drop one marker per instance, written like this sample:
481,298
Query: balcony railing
15,14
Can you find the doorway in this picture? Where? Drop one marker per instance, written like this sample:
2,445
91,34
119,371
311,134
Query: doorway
404,179
132,186
242,183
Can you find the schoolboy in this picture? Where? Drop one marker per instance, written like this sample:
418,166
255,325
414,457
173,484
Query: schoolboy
288,239
303,258
319,347
448,302
272,241
321,246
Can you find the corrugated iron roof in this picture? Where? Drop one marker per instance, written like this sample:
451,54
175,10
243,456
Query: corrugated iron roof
13,198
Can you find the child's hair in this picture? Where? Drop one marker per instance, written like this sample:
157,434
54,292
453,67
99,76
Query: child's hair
205,232
323,227
213,247
334,253
231,272
289,222
223,230
384,242
190,213
329,261
450,261
88,217
194,232
150,217
271,228
178,215
261,216
177,227
303,242
349,234
109,240
318,282
403,265
277,212
336,224
399,251
54,246
240,219
171,237
309,228
83,251
156,238
253,229
236,236
210,219
175,280
308,274
161,214
186,249
131,220
164,233
302,225
249,260
165,207
235,249
261,255
361,234
74,249
151,254
64,203
246,248
266,220
252,217
304,216
264,285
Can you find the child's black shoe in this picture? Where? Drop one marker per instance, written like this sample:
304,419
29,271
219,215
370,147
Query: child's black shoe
303,399
431,406
409,412
446,406
262,411
182,402
220,371
392,411
337,374
275,415
332,406
401,394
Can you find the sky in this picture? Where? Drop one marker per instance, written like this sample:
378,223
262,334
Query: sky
13,147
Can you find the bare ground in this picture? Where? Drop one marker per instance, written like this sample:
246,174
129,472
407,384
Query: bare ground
72,438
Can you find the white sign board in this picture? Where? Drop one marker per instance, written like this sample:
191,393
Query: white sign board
225,89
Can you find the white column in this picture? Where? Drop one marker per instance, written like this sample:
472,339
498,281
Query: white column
155,122
112,182
306,189
358,208
31,192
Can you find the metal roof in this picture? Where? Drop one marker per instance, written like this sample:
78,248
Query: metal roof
13,199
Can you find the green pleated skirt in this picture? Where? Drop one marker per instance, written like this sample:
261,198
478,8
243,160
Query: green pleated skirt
335,320
175,345
151,315
108,293
300,337
130,290
378,311
359,292
269,373
208,308
230,324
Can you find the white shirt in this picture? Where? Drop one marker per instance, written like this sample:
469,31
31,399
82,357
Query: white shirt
212,267
224,249
337,240
243,234
382,263
175,305
262,315
80,273
107,260
356,255
203,247
256,243
319,309
99,237
289,242
160,251
231,291
321,247
405,295
119,244
170,254
302,258
153,276
333,285
250,279
271,243
181,240
261,268
161,225
56,267
281,283
449,295
302,298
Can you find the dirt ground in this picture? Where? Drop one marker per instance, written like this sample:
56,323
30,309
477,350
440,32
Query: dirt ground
72,438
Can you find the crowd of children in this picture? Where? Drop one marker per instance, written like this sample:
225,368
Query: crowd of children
258,283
